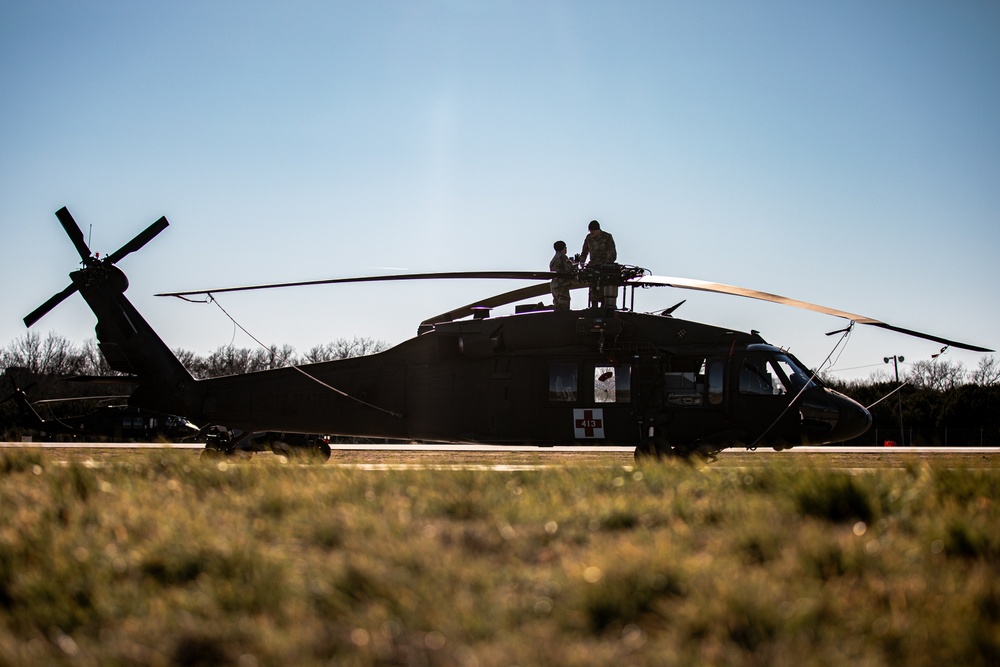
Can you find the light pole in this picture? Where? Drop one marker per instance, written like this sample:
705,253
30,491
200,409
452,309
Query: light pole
899,394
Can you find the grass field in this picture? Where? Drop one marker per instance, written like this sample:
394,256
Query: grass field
162,559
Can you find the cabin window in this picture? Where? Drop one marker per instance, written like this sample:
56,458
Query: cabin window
684,381
758,376
563,382
716,385
612,384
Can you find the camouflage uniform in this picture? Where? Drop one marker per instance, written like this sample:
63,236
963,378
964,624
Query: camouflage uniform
601,249
560,286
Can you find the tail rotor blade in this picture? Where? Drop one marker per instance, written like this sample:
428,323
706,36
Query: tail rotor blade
141,239
74,233
39,313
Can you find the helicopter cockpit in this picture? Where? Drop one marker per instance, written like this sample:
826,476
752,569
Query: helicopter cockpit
768,370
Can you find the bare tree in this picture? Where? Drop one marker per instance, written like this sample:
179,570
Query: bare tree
880,376
938,374
232,360
53,355
272,357
191,361
344,348
987,373
94,362
228,360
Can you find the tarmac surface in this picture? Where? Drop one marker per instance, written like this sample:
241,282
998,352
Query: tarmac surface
408,455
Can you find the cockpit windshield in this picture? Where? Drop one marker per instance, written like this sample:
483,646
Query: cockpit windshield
771,372
797,376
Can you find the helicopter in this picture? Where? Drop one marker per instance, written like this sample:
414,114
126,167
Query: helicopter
116,422
606,375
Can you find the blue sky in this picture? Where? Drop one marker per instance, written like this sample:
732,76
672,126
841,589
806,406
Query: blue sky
846,154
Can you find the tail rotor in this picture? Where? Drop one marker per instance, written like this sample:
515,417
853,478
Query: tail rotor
90,261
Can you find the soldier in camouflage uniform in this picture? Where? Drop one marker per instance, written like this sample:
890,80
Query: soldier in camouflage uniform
560,286
600,247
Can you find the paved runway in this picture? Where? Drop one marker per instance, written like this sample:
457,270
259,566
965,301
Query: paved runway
414,456
426,447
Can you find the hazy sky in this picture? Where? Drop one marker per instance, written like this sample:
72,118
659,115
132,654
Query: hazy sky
843,153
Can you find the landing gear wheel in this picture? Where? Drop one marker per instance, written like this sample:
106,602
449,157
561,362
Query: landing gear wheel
654,448
644,452
322,452
315,453
279,448
213,454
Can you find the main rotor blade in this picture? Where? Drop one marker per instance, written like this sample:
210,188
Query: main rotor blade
104,379
721,288
45,401
452,275
706,286
493,302
141,239
74,233
936,339
55,300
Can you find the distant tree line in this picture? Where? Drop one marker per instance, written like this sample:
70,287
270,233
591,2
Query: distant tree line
36,364
942,403
56,355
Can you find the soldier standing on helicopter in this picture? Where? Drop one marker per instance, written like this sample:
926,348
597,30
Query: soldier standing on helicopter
599,245
560,263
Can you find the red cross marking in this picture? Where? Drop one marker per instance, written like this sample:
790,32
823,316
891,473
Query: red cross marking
589,423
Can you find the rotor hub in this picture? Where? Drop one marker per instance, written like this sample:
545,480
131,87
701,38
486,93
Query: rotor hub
101,274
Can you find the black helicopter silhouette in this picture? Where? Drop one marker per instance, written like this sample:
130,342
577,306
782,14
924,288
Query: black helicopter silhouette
116,422
600,376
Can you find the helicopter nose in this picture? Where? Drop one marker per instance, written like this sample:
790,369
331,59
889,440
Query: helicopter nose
852,419
832,417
